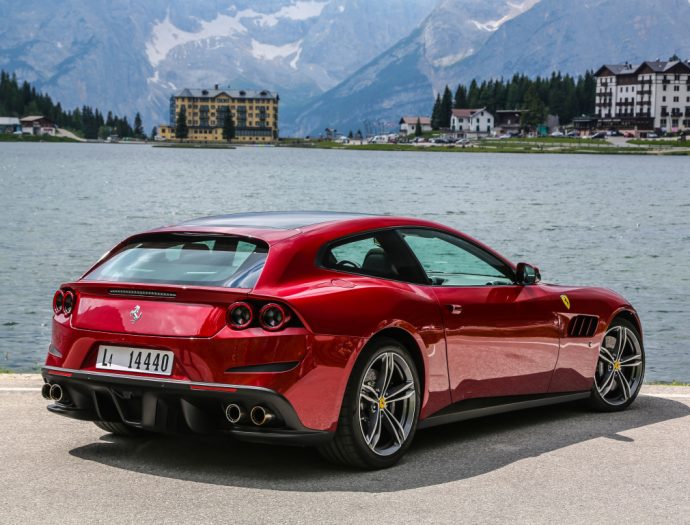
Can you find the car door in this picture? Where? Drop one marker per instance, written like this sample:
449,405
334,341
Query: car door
502,339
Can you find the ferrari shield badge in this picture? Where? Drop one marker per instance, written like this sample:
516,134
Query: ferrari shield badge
566,301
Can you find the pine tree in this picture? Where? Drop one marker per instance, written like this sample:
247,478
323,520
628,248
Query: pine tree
436,113
154,132
228,127
418,128
138,127
350,135
460,100
446,108
181,129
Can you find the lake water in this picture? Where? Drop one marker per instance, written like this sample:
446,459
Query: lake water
621,222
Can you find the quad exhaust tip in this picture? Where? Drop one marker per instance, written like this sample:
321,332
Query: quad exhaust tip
56,393
45,390
234,413
260,416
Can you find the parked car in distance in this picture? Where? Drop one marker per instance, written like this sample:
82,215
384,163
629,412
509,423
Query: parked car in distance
557,134
652,136
598,135
342,331
573,134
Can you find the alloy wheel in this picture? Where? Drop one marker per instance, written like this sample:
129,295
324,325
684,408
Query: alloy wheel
620,367
387,403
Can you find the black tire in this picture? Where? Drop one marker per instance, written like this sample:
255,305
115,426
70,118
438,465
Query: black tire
120,429
597,401
348,446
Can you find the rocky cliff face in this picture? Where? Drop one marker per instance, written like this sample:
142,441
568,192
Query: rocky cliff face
465,39
130,56
348,64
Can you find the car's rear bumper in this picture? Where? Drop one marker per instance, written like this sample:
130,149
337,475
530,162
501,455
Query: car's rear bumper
175,406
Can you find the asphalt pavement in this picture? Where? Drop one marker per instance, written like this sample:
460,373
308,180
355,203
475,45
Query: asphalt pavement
547,465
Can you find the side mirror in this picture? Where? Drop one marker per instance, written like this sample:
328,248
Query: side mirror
527,274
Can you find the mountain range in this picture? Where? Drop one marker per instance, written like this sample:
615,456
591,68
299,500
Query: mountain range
335,63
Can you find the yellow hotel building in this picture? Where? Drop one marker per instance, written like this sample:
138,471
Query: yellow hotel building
255,114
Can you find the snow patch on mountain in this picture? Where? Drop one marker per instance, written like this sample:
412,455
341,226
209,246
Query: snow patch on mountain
165,36
270,52
513,11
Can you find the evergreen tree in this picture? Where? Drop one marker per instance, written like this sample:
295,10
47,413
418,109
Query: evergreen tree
154,132
460,100
181,129
138,126
22,99
536,109
350,135
418,128
436,113
228,127
446,108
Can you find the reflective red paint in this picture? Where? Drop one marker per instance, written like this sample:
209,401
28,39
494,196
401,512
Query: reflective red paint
470,342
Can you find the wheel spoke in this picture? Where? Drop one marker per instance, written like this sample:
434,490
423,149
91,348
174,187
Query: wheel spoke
634,360
386,372
369,394
625,386
606,386
400,392
622,340
375,434
394,426
606,356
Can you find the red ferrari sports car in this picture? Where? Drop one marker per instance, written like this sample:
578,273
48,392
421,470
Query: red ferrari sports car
343,331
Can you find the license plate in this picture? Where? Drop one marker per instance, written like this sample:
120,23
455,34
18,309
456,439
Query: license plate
135,360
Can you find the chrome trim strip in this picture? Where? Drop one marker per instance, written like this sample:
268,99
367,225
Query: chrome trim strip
95,375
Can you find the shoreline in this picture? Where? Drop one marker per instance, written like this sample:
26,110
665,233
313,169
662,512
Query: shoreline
516,146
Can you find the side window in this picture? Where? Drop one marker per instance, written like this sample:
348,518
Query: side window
369,255
450,261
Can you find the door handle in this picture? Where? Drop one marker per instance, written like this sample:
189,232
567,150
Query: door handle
455,309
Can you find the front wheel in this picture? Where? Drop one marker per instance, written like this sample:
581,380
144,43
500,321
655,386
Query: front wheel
620,368
380,409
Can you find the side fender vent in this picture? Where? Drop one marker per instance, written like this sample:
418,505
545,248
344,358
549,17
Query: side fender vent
583,326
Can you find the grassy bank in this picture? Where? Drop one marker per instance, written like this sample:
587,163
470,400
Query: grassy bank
661,143
557,145
34,138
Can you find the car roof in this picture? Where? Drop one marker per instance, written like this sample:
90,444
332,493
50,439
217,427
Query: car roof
278,220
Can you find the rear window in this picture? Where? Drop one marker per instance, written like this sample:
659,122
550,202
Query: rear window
231,262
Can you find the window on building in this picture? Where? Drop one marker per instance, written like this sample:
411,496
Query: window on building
663,99
662,122
676,88
664,88
676,99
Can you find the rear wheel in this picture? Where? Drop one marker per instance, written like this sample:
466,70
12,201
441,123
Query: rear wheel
120,429
380,409
620,368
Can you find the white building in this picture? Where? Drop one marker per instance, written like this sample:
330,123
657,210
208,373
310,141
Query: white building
472,121
646,96
9,124
408,125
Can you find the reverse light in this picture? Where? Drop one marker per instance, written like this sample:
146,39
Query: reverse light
240,315
68,303
58,301
273,317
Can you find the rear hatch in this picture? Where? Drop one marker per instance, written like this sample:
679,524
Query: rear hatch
168,284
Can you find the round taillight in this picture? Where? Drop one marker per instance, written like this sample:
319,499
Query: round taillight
58,301
68,303
273,317
240,315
